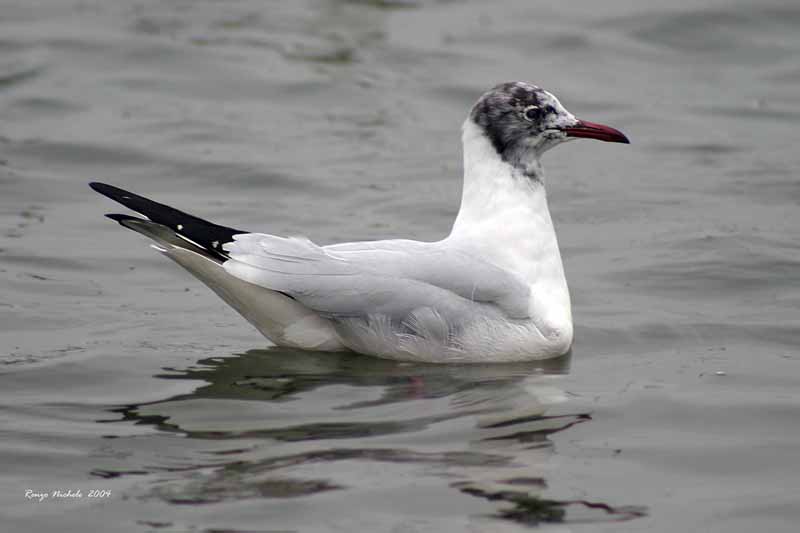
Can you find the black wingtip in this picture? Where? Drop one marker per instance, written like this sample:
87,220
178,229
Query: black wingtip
203,233
107,190
118,217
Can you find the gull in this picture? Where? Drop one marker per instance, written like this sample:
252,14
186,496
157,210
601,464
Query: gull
492,291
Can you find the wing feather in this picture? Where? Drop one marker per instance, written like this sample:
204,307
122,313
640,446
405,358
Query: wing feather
388,277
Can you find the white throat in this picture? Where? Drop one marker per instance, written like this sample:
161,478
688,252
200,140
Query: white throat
505,218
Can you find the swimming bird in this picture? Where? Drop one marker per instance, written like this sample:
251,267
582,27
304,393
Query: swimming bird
493,290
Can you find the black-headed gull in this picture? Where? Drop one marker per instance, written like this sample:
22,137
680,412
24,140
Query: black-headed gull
493,290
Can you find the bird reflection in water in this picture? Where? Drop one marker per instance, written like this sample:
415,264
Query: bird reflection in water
276,414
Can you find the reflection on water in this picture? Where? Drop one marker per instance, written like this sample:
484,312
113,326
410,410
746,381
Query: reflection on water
286,417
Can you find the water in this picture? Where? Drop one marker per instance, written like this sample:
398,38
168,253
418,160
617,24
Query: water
678,408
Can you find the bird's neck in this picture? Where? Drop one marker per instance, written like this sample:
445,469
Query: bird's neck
504,213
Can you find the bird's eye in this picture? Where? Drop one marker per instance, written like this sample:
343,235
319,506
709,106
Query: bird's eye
531,113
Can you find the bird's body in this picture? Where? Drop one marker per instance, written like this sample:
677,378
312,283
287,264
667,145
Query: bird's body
493,290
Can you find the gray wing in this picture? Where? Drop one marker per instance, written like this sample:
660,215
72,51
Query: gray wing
385,277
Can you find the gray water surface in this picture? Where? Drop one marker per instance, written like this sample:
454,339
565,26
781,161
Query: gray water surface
678,409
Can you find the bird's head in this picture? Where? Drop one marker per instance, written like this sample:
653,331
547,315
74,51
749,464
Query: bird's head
522,121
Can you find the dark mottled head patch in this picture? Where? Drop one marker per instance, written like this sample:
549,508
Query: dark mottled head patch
514,114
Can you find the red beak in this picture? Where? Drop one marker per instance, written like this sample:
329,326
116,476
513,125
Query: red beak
590,130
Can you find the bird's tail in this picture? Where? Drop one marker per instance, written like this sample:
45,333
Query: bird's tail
196,245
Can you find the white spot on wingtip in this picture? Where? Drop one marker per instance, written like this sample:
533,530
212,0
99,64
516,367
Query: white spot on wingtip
215,244
180,227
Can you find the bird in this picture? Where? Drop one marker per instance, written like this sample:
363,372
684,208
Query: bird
492,291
